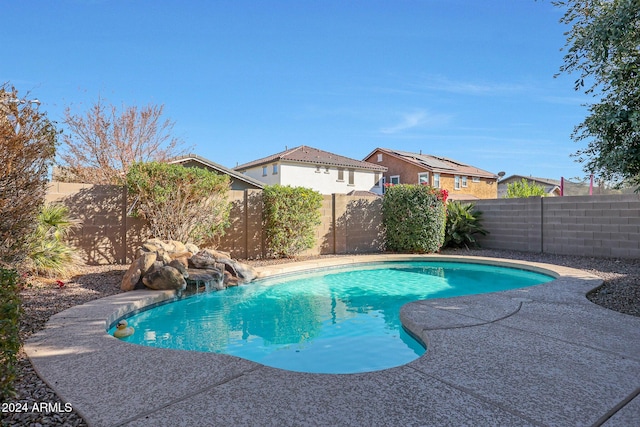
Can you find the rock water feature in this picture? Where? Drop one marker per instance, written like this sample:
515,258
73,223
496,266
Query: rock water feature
173,265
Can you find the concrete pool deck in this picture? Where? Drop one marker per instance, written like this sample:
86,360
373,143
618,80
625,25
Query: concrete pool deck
539,356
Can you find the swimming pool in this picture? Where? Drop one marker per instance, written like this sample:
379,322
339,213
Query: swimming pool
340,320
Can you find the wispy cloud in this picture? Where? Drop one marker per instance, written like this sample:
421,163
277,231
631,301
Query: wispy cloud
416,119
445,84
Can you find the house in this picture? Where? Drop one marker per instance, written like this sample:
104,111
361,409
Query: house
462,181
319,170
238,181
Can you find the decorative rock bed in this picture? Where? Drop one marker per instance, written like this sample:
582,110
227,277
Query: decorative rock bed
172,265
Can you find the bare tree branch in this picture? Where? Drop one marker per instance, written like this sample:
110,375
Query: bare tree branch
102,143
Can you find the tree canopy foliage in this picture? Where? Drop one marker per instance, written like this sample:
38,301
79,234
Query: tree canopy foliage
27,149
603,48
524,188
180,203
104,142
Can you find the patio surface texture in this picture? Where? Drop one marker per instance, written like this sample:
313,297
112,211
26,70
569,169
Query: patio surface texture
538,356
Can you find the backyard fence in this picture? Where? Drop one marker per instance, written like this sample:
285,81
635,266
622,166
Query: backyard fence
599,226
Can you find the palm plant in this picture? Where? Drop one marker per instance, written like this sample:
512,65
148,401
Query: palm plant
48,253
463,223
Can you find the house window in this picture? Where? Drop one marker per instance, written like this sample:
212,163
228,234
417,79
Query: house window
475,179
275,169
376,179
340,174
351,177
264,171
326,169
436,180
379,157
394,180
456,182
318,169
423,178
464,182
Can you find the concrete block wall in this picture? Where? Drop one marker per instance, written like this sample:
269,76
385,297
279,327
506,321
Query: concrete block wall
598,226
513,224
100,209
348,224
602,226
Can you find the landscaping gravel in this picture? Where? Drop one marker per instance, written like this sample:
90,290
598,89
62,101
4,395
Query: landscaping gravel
42,299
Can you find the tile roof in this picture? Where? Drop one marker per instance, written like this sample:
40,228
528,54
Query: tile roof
310,155
438,164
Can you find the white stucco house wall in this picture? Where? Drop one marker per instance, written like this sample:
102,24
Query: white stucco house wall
319,170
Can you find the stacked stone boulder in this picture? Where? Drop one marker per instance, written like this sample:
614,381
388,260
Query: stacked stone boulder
170,265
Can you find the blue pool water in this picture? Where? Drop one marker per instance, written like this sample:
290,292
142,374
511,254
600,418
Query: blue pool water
330,321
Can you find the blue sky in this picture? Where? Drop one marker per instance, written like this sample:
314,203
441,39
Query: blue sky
471,80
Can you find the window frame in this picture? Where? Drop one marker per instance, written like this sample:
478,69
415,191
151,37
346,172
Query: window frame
465,181
391,179
421,175
436,180
456,182
264,170
352,177
274,170
340,175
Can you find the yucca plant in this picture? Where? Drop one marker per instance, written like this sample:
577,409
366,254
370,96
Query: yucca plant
48,253
463,223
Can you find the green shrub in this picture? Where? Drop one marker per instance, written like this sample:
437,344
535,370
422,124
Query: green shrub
524,188
48,253
180,203
290,215
414,218
9,338
463,223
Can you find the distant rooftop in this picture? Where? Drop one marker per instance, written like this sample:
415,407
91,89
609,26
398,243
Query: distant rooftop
438,164
218,167
310,155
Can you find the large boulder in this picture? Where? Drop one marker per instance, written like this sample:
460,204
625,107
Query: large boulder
180,267
244,272
168,264
137,270
165,278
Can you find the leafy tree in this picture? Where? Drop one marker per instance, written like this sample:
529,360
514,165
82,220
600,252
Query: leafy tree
463,223
103,143
290,215
524,188
414,217
603,47
180,203
27,149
